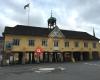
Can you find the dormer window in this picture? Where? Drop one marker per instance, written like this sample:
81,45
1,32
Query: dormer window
44,42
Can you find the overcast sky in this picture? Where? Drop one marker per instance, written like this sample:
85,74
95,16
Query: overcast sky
78,15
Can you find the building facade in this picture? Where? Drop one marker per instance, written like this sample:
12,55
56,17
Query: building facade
1,49
30,44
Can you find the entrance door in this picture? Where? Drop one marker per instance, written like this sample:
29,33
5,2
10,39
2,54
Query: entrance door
67,57
20,57
77,56
58,57
54,57
46,57
85,56
31,57
95,55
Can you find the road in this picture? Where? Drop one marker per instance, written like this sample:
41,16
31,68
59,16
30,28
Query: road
52,71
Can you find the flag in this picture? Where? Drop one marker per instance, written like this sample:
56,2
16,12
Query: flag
27,5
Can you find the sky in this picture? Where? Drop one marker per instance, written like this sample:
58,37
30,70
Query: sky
77,15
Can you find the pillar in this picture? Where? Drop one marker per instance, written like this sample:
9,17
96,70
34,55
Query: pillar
46,57
90,55
15,58
81,55
30,57
62,57
50,57
41,57
11,59
55,55
37,57
72,57
23,58
59,57
99,55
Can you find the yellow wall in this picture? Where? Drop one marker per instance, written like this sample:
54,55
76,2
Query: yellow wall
38,43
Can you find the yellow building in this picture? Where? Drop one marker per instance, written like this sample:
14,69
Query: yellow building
30,44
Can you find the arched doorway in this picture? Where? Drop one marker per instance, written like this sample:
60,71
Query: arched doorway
95,55
20,57
85,56
77,56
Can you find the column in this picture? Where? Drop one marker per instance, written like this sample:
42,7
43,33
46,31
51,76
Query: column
15,58
61,57
50,57
41,57
38,58
81,55
72,58
99,55
90,55
23,58
1,59
46,57
11,59
26,58
55,55
31,57
35,57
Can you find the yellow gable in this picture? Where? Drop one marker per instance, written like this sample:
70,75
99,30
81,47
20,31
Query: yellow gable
56,33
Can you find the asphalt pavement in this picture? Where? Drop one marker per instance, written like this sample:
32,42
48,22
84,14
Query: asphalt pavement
52,71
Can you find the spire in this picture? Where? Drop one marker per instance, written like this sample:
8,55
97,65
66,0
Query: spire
93,32
51,21
51,13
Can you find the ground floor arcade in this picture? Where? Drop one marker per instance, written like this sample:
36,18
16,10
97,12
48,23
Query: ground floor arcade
50,57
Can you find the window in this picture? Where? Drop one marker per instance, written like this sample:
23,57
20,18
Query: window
66,44
8,44
55,43
16,42
31,43
85,44
94,44
76,44
44,42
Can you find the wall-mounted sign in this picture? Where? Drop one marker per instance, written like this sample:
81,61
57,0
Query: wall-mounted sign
39,50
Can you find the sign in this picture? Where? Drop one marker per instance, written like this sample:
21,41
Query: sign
39,51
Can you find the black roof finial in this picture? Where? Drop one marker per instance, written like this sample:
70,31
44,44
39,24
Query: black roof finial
93,32
51,13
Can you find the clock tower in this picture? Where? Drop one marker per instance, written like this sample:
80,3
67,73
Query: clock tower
51,22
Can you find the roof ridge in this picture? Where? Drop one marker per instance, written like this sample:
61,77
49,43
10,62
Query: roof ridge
29,26
73,31
43,31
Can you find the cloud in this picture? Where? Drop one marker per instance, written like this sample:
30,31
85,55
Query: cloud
79,15
91,14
